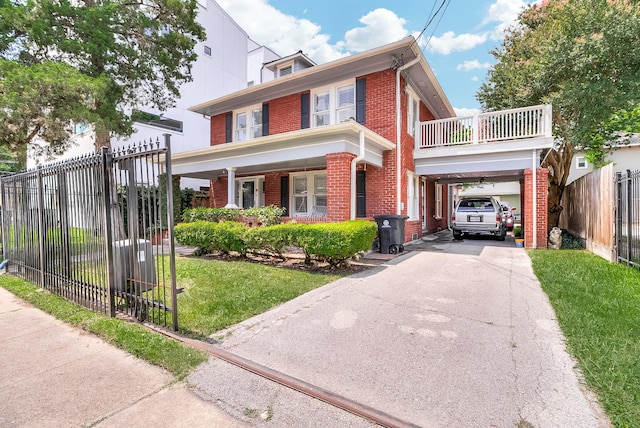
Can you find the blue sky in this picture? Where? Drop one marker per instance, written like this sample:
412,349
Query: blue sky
458,50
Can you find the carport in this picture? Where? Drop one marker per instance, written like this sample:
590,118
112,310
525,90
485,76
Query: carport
515,157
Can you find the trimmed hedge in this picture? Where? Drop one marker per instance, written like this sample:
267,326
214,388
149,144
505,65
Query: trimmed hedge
330,242
209,237
263,216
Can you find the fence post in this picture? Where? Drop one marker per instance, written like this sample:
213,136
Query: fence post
107,168
41,230
618,211
629,218
475,128
172,246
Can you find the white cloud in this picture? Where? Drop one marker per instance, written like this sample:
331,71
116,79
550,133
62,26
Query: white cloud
450,42
463,111
505,13
382,26
285,34
475,78
472,65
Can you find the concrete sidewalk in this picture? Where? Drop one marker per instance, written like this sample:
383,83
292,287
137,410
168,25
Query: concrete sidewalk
436,339
53,375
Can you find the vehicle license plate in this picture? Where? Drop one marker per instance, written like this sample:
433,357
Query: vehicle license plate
475,218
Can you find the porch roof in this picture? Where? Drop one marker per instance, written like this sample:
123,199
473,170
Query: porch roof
305,148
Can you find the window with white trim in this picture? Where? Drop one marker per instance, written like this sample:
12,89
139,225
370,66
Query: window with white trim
334,104
438,200
581,162
207,50
308,189
285,71
413,206
248,124
413,114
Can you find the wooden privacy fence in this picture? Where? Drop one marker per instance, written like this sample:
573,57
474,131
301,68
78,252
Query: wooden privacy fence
589,206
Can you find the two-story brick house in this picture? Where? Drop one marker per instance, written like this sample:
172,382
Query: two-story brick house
334,141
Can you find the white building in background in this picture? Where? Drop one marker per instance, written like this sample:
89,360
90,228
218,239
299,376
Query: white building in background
227,62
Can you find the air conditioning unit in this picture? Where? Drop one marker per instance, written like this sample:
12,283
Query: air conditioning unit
134,268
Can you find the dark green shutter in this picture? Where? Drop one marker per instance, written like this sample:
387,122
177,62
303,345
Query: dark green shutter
304,111
361,101
361,194
284,194
228,128
265,119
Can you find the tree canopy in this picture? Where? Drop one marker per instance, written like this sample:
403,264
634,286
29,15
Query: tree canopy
581,56
89,61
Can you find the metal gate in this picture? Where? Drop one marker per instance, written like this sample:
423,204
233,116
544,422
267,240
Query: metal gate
628,218
97,230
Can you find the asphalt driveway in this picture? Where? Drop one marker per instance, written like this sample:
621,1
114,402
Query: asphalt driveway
449,334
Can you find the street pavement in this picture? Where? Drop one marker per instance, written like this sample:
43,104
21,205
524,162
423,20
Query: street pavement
53,375
448,334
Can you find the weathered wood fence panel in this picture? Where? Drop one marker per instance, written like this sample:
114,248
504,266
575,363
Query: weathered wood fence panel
589,206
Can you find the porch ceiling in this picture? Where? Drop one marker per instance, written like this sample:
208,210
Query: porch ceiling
491,162
302,149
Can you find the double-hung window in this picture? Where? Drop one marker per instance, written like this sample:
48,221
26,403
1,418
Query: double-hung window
248,124
333,104
308,189
413,114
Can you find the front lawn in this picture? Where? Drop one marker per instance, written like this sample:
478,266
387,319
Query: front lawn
598,307
218,294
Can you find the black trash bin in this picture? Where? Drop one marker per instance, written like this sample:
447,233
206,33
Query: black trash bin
390,233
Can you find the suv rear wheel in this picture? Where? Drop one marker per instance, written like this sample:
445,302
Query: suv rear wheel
457,235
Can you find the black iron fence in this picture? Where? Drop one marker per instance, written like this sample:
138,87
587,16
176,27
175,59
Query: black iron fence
97,230
628,218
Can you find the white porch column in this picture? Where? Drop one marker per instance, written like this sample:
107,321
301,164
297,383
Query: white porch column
231,188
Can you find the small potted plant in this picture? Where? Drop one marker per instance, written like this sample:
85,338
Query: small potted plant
517,234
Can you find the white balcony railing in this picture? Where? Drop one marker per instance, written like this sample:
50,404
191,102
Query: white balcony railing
504,125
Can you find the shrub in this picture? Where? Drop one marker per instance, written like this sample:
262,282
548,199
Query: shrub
517,232
571,241
271,240
335,242
209,237
262,216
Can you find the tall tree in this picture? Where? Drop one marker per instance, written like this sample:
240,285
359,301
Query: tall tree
581,56
92,61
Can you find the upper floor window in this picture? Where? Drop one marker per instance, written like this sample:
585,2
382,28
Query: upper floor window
581,162
248,124
413,114
207,50
334,104
285,70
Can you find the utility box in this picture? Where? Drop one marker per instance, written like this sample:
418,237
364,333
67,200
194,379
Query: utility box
390,233
134,268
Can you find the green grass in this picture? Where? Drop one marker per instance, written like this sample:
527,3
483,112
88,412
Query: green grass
598,307
219,294
134,338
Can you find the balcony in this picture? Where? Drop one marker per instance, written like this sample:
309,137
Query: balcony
485,143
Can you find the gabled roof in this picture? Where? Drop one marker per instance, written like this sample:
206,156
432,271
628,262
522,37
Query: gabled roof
420,76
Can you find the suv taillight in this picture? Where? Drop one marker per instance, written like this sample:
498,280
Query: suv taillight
498,217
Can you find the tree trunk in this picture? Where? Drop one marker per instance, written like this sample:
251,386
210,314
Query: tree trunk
559,164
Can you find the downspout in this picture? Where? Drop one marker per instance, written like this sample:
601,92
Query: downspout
354,162
534,210
399,134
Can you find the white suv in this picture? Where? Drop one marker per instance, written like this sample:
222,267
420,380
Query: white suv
478,215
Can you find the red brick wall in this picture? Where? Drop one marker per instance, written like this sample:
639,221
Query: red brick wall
218,129
284,114
218,192
540,217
